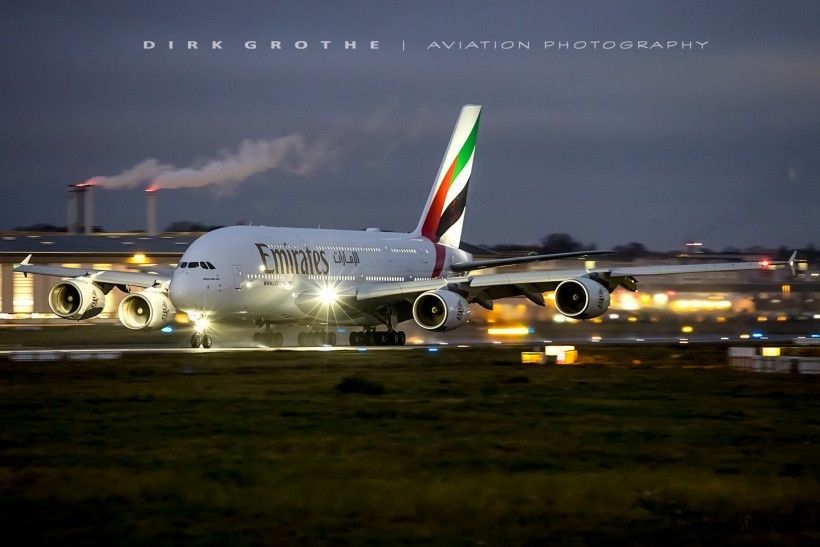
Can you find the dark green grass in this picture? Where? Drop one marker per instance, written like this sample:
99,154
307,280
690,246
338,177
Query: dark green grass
458,447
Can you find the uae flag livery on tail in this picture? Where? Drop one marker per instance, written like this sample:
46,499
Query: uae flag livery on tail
443,215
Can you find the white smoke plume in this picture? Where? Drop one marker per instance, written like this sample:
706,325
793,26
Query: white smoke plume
133,176
374,136
291,153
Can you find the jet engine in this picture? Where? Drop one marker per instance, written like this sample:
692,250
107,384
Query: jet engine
581,298
440,310
149,309
76,299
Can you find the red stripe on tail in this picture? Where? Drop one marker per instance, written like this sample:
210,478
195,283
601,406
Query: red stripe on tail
430,225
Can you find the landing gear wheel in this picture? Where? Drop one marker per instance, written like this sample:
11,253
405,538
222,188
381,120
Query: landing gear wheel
301,339
401,338
354,338
278,339
382,339
206,341
257,338
196,340
330,338
392,338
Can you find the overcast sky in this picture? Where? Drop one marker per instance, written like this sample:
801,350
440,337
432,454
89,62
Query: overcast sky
720,144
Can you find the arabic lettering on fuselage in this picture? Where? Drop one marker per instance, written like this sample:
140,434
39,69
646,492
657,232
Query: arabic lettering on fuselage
344,257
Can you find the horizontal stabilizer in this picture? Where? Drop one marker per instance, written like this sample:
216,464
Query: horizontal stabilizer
509,261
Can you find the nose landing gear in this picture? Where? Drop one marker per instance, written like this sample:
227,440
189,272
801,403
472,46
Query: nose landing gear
201,339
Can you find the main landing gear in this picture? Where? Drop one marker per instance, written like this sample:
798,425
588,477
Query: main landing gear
378,338
317,338
201,339
268,338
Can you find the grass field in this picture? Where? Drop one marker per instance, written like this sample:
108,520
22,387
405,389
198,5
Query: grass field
454,447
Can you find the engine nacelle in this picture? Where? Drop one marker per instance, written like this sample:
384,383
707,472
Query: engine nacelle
148,309
76,299
581,298
440,310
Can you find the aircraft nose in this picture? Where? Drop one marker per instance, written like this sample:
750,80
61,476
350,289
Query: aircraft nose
183,291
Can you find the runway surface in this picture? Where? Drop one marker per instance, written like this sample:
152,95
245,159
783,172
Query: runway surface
103,352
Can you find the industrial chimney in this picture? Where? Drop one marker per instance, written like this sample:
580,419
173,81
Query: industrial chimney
88,212
71,221
80,208
151,210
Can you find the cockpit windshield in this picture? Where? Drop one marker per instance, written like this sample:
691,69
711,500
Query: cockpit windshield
205,265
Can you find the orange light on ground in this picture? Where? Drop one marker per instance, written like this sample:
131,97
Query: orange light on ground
138,258
687,329
687,305
626,301
508,331
561,318
762,318
564,355
532,358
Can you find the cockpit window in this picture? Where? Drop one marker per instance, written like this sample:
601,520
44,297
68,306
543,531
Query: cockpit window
204,266
210,266
193,264
183,265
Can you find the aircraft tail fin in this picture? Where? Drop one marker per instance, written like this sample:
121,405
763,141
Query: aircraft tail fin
443,215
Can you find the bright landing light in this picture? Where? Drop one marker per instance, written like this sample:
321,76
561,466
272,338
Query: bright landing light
201,324
328,295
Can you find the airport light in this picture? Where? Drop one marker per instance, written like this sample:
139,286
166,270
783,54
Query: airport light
686,329
508,331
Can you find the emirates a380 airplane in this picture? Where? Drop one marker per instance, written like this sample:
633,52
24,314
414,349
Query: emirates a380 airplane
269,277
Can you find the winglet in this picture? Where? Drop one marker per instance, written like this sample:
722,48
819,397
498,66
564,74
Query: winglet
26,261
792,263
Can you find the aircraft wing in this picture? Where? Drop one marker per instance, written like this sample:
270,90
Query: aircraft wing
485,288
104,277
508,261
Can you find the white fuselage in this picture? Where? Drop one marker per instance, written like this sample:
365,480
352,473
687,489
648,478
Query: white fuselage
269,274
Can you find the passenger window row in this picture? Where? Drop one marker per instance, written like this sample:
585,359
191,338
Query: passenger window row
203,265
